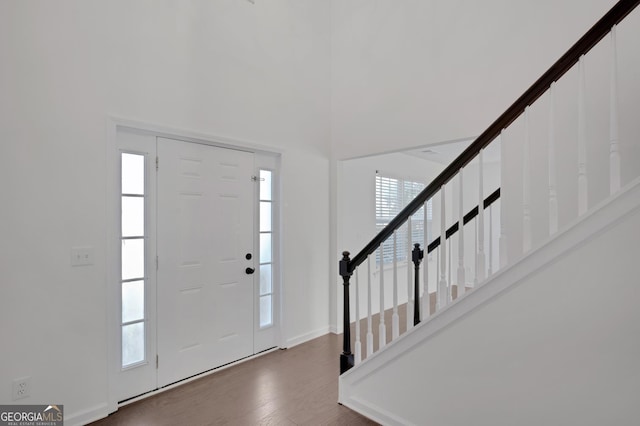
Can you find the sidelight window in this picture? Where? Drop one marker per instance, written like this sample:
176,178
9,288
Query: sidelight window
132,260
266,248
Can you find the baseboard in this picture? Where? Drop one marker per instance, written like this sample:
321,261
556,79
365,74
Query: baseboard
375,413
87,416
294,341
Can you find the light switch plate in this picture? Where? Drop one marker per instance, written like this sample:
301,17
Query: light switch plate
81,256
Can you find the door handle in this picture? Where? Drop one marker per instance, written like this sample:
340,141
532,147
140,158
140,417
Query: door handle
249,271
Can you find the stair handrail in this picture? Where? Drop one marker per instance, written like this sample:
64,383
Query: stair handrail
596,33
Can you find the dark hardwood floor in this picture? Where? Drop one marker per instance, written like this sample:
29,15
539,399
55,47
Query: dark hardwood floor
297,386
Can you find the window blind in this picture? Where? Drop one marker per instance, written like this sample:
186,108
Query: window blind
392,195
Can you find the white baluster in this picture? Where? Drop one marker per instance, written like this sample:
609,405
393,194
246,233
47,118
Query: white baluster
461,277
382,329
481,263
358,344
553,196
395,318
502,242
614,142
437,276
582,140
369,321
424,313
409,278
490,272
476,280
443,298
526,187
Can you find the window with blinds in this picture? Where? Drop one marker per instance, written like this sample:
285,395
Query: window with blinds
392,195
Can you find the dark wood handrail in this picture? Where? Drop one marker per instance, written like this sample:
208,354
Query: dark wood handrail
492,198
557,70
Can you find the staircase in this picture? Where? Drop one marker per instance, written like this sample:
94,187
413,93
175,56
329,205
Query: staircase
552,336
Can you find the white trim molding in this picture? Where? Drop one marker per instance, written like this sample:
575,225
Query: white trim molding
302,338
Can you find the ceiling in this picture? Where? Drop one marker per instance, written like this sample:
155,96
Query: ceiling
445,152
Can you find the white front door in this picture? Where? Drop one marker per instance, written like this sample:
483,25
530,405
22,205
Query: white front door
205,247
182,299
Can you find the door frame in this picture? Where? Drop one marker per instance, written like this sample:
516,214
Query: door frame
265,157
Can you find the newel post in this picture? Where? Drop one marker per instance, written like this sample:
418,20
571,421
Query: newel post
346,358
416,257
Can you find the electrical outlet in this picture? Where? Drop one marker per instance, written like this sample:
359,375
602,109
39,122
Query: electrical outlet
81,256
21,388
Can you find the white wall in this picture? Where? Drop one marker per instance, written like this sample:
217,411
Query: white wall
414,72
551,340
258,73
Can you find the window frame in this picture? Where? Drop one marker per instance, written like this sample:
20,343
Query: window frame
272,260
145,238
407,188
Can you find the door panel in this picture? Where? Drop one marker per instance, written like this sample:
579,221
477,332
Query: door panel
205,228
